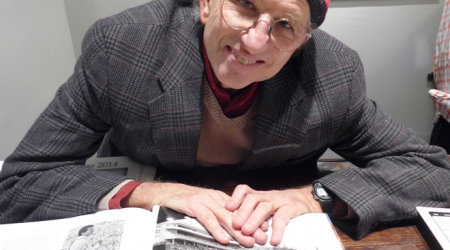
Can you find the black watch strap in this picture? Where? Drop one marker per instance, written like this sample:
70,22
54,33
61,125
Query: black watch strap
323,196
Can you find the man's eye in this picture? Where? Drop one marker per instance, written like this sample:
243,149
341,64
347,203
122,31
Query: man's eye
285,24
247,4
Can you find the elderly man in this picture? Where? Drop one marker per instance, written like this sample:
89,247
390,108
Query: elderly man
244,86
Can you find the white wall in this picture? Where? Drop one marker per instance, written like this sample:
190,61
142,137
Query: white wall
395,39
36,58
83,13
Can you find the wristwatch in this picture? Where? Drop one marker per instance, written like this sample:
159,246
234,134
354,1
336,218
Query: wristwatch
323,197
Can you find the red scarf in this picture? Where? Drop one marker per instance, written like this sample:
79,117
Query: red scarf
232,107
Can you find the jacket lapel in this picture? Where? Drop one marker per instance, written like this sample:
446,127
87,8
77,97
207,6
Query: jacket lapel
273,143
176,115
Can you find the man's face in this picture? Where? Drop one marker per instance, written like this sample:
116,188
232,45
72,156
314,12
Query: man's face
240,57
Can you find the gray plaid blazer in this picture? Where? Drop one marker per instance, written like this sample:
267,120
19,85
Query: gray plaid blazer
139,82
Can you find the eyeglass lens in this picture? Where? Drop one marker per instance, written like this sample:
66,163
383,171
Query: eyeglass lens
286,35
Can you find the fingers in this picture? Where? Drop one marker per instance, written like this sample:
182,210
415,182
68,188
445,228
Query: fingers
279,221
210,221
256,217
260,237
215,224
264,226
246,201
215,219
245,240
239,194
252,208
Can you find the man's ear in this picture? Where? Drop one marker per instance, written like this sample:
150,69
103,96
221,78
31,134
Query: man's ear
204,10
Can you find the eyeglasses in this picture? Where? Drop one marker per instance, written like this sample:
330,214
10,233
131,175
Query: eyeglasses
286,35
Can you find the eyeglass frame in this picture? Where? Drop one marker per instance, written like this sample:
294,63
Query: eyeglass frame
269,29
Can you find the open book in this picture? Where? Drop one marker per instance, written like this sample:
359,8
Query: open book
135,228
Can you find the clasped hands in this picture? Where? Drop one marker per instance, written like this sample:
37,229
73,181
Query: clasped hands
243,215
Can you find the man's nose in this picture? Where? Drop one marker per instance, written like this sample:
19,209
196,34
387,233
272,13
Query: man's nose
257,38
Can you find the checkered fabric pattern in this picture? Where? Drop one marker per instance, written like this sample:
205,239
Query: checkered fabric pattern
441,96
442,101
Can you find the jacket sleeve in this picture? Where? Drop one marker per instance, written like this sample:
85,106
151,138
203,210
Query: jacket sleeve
396,172
45,177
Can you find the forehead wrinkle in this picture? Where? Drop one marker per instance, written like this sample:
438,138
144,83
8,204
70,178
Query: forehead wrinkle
293,17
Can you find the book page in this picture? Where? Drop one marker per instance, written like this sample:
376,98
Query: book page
129,228
307,232
310,231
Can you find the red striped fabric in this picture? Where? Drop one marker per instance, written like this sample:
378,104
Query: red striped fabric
440,96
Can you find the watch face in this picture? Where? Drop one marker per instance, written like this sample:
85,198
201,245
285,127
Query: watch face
321,193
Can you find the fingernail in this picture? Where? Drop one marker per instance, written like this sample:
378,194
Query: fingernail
275,241
224,239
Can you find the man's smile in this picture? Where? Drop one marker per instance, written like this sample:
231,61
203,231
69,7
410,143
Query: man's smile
243,60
